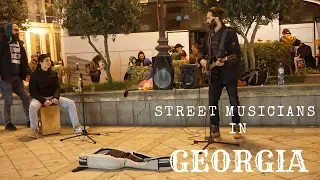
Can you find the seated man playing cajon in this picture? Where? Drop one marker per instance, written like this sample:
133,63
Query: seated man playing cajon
44,88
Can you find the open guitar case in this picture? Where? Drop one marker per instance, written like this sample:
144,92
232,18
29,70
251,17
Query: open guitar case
112,159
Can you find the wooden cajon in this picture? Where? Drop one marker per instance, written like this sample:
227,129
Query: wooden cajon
49,122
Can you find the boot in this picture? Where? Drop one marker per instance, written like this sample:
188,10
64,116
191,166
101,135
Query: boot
215,131
237,134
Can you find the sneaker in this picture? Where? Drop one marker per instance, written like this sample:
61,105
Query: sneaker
10,127
34,134
78,129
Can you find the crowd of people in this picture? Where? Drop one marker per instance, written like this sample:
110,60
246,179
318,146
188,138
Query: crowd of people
44,87
140,60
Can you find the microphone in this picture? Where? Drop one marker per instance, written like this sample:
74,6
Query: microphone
77,66
126,92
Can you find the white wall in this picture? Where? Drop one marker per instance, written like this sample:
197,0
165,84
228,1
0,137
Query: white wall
266,32
120,50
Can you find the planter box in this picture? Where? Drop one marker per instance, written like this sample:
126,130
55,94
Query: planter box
307,79
312,79
139,108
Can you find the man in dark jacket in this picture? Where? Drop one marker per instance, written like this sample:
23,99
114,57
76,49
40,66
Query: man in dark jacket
44,88
225,73
13,69
304,52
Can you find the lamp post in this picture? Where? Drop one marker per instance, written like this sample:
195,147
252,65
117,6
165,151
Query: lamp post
162,65
163,46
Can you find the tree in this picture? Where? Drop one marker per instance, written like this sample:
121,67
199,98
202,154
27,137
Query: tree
243,15
13,11
90,19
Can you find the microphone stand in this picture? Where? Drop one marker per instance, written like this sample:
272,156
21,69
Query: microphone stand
84,131
210,140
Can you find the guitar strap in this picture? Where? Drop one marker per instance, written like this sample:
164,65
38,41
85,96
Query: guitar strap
221,44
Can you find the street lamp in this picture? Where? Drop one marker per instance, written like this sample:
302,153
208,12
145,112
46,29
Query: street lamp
163,46
162,66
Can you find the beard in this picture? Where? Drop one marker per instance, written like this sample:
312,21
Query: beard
15,37
212,25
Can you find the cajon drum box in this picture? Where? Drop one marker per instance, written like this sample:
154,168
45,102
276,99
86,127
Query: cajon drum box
49,122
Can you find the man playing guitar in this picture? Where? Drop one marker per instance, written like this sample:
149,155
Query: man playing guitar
220,53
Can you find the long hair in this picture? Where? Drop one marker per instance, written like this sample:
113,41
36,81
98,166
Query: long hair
96,59
141,53
218,12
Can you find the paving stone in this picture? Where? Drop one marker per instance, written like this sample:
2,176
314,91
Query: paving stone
48,158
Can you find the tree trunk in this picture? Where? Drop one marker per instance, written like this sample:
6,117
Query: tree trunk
245,52
108,61
104,60
245,56
250,45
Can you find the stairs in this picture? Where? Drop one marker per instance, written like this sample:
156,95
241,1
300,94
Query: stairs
71,62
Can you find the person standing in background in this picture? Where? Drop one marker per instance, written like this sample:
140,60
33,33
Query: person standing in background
194,53
95,69
33,63
13,69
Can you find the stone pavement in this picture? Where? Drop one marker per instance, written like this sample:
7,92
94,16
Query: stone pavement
48,158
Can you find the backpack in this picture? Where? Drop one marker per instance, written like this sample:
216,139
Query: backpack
256,77
87,68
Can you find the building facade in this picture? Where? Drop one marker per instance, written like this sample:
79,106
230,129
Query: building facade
43,34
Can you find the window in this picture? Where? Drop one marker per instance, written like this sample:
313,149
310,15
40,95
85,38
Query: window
58,46
35,43
38,19
49,10
149,19
37,7
48,44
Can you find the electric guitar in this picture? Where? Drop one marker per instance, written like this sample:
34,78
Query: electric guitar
221,63
205,70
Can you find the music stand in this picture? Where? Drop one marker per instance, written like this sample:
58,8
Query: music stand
84,131
210,139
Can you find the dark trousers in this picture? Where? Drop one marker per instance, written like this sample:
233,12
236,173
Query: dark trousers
215,90
15,85
95,79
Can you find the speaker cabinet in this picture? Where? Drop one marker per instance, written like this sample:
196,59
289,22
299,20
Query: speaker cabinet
190,76
163,73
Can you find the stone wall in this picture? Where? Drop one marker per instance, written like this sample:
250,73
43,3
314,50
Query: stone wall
112,108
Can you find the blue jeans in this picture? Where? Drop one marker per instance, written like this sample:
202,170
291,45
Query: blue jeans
14,84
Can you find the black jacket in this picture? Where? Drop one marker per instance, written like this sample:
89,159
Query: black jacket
230,71
5,55
305,52
44,84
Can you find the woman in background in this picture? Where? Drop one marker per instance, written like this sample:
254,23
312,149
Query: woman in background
95,69
142,59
